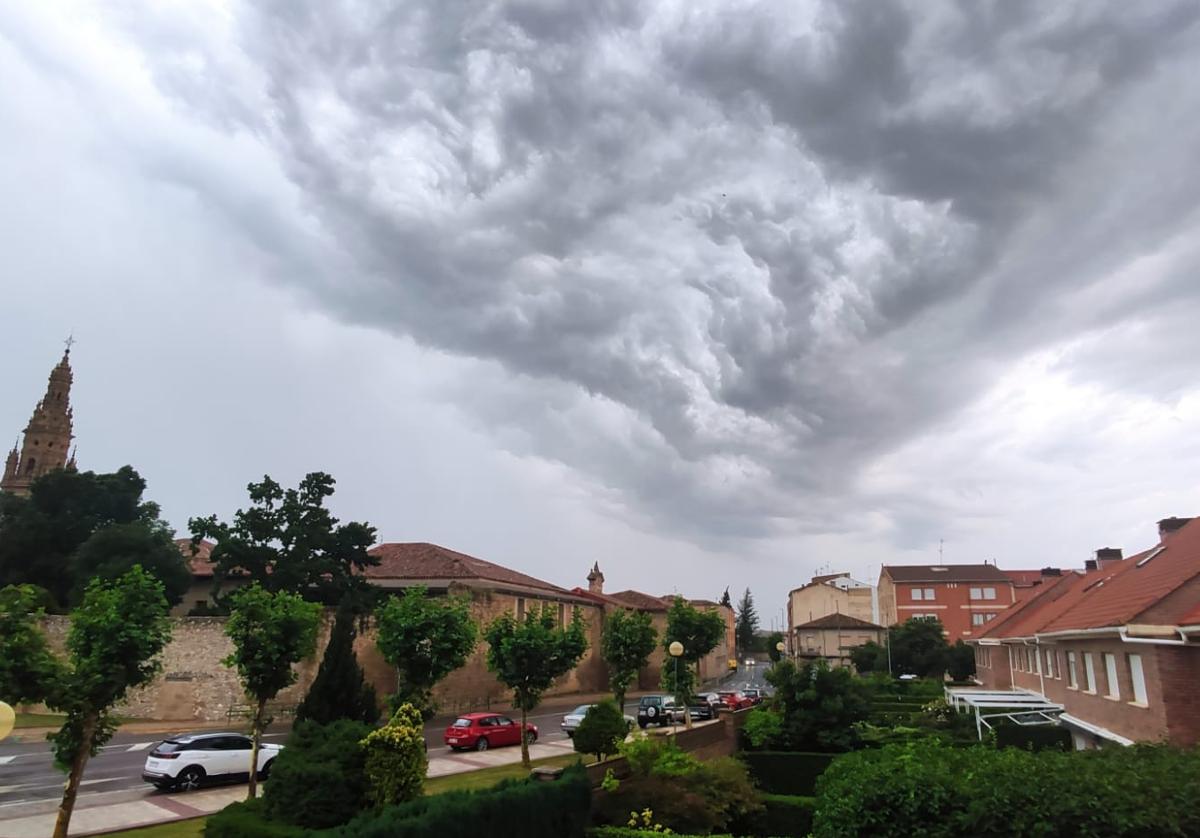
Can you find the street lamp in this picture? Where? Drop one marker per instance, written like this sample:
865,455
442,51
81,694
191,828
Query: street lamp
676,650
779,647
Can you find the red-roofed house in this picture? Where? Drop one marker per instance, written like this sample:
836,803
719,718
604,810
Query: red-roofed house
1118,646
965,597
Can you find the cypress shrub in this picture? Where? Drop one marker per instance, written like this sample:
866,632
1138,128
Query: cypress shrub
339,690
247,820
318,779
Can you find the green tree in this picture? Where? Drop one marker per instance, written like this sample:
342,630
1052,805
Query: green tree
773,641
626,643
818,706
40,534
289,541
726,601
271,632
339,691
396,762
527,655
426,639
869,657
960,661
698,632
113,645
919,647
112,550
745,624
602,730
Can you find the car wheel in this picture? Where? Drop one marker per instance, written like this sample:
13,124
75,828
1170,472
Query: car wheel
265,773
530,737
481,744
189,779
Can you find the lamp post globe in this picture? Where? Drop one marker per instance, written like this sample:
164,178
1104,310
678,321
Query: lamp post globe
676,648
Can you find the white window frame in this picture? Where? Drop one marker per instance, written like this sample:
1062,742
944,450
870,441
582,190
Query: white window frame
976,593
1089,672
1138,676
1058,665
989,593
1110,675
978,618
1072,671
1049,664
929,595
918,594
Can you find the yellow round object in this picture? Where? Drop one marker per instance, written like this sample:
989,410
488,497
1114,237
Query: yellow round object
8,718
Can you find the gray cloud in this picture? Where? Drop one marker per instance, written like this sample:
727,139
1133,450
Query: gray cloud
721,259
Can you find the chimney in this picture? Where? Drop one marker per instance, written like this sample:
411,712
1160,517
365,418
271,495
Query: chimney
1106,556
1051,571
1167,527
1089,565
595,579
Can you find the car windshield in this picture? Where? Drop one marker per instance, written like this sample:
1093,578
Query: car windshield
461,723
581,710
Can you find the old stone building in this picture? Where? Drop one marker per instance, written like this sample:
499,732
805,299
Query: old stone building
47,438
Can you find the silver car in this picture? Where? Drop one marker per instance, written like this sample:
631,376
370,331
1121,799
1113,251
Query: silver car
572,719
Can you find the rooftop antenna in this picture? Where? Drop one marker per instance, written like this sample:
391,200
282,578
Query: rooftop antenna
941,544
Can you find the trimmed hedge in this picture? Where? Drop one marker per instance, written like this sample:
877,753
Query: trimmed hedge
520,809
941,792
627,832
786,772
785,816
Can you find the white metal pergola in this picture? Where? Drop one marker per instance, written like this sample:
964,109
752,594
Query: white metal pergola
1018,706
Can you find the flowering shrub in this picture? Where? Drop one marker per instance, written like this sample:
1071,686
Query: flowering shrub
395,761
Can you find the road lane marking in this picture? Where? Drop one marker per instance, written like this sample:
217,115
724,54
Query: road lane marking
7,760
141,746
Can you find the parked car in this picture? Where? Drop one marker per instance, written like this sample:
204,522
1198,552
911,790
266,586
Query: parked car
192,760
480,731
705,706
735,699
658,710
755,695
572,719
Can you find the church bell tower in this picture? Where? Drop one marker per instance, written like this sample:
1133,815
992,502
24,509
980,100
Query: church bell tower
47,437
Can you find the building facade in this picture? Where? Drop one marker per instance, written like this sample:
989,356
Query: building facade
832,637
1117,645
964,597
46,440
835,593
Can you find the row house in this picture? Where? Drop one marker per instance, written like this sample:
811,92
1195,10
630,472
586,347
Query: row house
1116,646
833,593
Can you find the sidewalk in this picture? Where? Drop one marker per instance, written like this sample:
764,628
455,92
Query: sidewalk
95,817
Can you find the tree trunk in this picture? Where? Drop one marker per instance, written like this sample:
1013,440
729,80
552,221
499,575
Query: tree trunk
687,701
78,761
619,697
525,743
256,738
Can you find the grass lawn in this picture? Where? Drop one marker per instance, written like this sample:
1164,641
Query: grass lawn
486,777
39,720
193,828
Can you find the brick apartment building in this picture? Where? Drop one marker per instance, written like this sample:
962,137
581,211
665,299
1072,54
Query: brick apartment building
965,597
1117,646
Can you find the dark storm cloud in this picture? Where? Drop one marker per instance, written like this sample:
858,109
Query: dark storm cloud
729,253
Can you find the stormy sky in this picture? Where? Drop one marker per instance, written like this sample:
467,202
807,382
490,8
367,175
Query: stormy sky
717,294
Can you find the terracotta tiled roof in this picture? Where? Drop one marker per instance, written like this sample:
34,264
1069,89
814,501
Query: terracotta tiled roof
1023,577
640,601
1113,596
948,573
599,599
200,562
419,560
838,621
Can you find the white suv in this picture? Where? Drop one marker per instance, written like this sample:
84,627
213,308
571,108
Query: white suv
187,762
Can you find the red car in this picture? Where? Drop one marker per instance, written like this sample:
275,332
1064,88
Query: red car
735,700
481,731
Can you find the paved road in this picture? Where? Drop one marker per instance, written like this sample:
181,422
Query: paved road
27,773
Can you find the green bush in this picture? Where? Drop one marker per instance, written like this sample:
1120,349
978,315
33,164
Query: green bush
627,832
340,691
247,820
685,794
522,809
817,706
317,780
602,730
395,760
934,790
786,772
